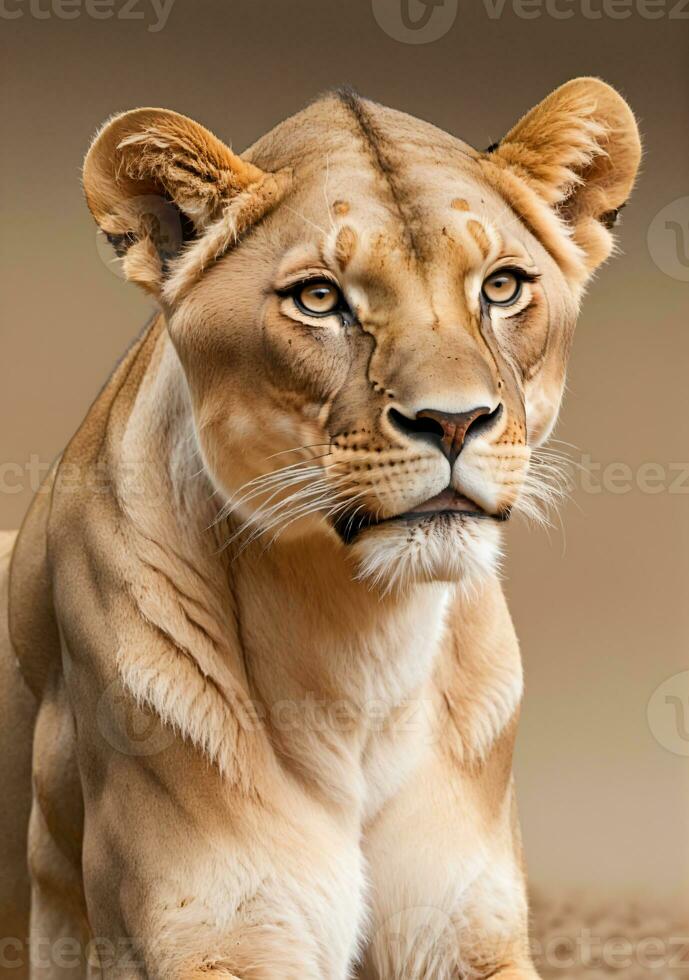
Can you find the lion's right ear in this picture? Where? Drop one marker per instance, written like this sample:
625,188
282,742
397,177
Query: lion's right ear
156,181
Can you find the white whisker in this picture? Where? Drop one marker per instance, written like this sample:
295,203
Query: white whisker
304,218
298,449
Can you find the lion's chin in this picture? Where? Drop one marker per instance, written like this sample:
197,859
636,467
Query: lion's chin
396,555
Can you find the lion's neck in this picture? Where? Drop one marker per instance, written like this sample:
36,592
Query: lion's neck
323,660
336,667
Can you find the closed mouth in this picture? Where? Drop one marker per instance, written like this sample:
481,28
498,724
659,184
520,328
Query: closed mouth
448,501
446,504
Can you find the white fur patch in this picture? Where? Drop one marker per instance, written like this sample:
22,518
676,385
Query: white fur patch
395,556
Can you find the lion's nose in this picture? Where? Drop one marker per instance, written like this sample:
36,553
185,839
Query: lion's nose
450,430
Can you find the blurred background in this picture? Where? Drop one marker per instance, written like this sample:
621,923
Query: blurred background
600,601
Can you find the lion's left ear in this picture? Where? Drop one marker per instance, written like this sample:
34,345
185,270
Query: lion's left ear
579,150
156,180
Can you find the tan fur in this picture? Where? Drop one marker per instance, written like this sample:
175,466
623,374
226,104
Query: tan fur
17,709
324,788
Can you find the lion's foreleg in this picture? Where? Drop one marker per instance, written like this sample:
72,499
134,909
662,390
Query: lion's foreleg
448,892
59,936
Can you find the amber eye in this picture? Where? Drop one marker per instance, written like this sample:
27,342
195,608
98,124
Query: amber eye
318,298
502,288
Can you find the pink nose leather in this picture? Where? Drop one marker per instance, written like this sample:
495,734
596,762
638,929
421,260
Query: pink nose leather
454,427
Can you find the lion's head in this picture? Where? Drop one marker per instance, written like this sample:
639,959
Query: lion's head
373,318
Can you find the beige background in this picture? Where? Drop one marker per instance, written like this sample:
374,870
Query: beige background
600,606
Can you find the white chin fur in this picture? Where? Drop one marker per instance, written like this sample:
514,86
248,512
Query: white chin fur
395,555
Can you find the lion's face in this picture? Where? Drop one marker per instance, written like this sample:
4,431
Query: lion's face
377,357
390,384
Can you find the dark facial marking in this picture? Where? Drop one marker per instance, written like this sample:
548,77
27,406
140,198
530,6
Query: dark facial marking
375,146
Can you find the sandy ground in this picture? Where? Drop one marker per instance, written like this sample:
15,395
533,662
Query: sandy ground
632,939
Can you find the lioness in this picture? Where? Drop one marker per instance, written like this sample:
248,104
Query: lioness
275,538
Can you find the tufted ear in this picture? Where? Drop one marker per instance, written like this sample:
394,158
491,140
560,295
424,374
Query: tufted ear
156,181
579,150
